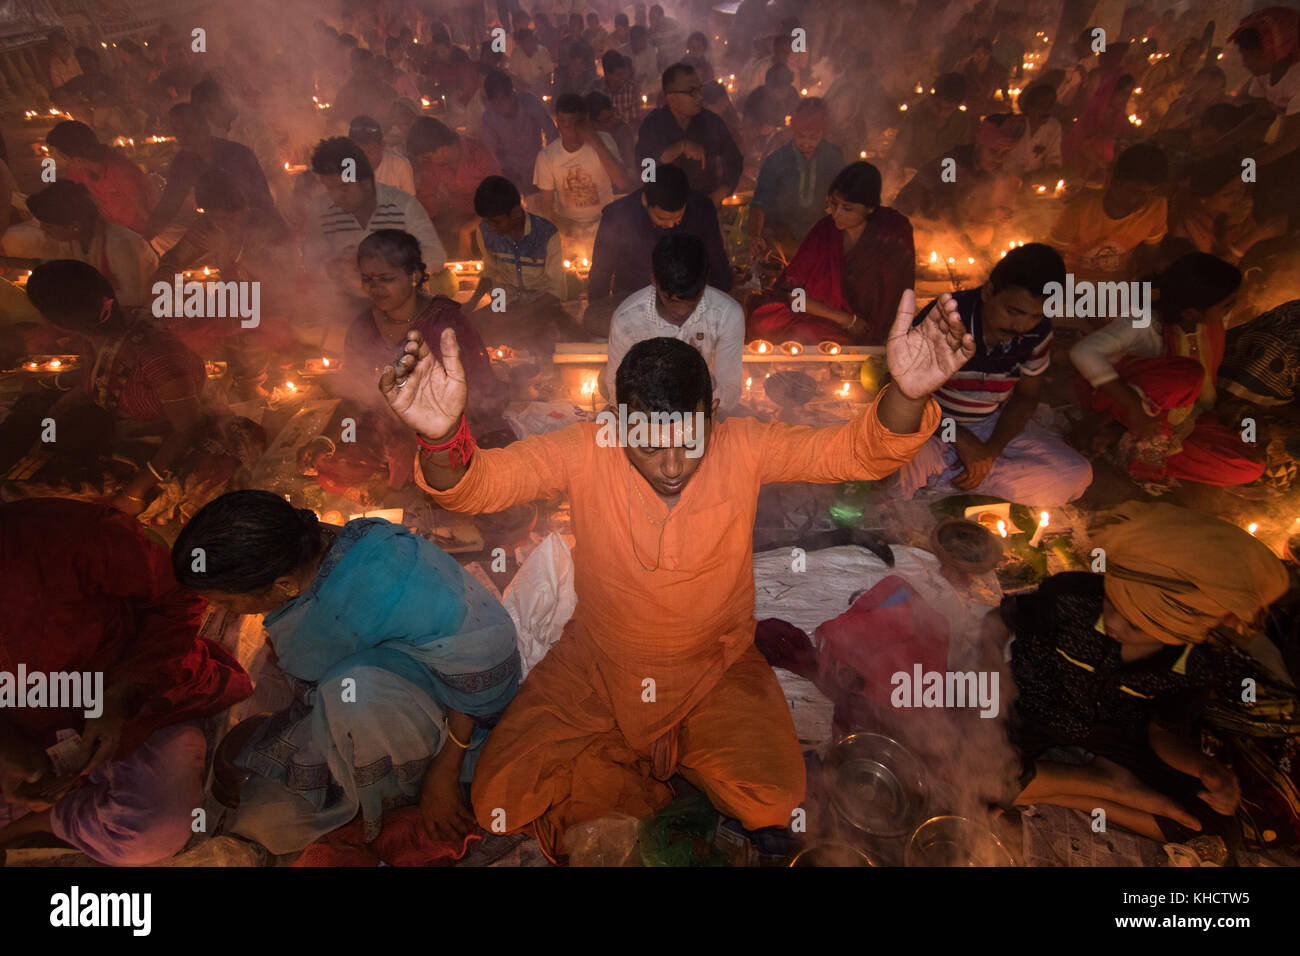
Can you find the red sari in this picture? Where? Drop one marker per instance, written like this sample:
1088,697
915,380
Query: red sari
88,589
867,280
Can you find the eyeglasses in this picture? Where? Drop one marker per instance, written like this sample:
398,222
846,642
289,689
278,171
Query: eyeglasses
692,92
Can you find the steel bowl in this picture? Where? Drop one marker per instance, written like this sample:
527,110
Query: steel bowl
831,854
876,784
955,841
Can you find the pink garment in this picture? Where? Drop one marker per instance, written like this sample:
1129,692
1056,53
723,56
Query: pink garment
140,810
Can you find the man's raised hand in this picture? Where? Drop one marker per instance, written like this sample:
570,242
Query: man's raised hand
923,358
425,391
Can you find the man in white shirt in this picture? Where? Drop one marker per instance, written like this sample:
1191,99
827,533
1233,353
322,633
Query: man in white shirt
391,168
1039,150
531,63
577,174
1269,41
67,225
681,305
353,206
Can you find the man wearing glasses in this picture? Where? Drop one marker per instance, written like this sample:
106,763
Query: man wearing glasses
686,134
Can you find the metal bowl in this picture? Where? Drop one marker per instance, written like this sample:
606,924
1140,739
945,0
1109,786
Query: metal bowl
955,841
876,784
831,854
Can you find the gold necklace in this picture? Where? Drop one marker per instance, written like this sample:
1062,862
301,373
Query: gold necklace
663,524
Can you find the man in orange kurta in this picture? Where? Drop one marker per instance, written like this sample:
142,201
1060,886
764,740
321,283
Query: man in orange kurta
656,673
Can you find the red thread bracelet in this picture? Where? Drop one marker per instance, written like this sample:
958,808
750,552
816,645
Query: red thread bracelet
461,445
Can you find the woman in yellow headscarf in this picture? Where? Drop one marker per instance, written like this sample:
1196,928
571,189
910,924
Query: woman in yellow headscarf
1113,670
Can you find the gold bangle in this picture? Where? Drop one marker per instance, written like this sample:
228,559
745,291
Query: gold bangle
453,738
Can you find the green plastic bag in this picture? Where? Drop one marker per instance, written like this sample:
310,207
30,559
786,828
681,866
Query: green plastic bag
681,834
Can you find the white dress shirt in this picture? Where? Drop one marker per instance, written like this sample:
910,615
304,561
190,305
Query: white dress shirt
716,328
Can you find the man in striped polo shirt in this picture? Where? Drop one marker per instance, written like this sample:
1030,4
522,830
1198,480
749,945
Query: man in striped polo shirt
351,208
986,443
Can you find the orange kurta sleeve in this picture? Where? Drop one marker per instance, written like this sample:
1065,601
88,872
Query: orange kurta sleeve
540,466
860,450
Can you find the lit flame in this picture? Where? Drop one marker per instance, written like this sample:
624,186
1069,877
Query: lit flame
55,363
749,381
1002,527
902,107
589,387
862,155
762,347
568,264
325,362
1252,528
963,106
424,101
803,92
290,386
1043,518
835,350
844,390
970,260
934,256
920,88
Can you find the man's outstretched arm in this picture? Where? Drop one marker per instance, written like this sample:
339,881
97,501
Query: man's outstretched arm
428,393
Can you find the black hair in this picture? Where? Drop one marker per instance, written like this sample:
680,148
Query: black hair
1039,91
680,263
670,188
428,135
248,540
697,41
778,74
365,129
664,375
1030,267
1210,175
398,248
950,87
219,191
1221,117
639,32
1248,39
69,293
206,93
983,43
1197,280
64,203
613,60
327,158
76,139
1142,163
497,84
495,196
857,182
674,71
597,102
572,104
620,19
186,113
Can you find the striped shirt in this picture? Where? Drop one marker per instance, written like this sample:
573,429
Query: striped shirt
337,231
986,382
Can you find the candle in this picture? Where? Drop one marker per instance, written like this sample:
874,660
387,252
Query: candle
1002,527
843,390
902,107
1254,526
1037,538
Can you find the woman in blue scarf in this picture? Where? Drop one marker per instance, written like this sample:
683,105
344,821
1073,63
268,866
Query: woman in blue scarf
400,661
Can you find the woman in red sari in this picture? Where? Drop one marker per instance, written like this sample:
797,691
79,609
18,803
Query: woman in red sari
88,590
851,269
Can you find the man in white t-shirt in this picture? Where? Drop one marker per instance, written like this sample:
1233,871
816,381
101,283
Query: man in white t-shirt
578,173
681,305
1269,41
531,63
